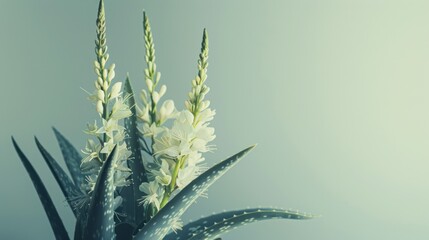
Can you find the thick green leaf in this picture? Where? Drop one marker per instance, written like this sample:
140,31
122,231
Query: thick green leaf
82,219
70,191
161,223
134,212
211,227
72,159
100,223
78,229
55,220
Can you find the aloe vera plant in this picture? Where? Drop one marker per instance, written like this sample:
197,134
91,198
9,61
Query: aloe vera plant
139,175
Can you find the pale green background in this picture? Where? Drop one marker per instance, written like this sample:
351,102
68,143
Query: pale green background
336,93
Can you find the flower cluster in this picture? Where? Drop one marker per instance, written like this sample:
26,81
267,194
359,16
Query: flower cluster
175,153
138,158
112,108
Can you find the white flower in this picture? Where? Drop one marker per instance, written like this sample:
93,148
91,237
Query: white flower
166,145
185,176
120,179
206,116
116,90
166,111
92,150
153,193
108,147
205,133
92,129
123,153
194,158
185,117
109,127
143,114
120,110
152,130
163,175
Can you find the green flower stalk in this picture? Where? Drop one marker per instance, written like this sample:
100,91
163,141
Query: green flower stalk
139,175
149,115
196,103
112,108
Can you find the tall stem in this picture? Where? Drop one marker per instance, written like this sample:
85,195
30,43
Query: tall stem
170,188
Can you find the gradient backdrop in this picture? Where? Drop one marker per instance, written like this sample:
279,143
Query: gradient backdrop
336,94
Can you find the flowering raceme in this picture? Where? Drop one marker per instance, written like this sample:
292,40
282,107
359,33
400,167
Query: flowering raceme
176,151
111,133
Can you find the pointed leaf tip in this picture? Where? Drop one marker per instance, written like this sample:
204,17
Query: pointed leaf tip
71,157
53,216
70,191
213,226
161,223
101,210
134,212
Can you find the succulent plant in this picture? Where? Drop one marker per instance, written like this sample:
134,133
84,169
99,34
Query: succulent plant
138,176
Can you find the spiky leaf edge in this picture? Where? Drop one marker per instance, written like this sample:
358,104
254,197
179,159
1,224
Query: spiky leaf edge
212,226
72,158
70,191
161,223
101,224
131,194
53,216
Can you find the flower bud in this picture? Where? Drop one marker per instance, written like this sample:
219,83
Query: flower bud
116,89
104,73
145,115
97,71
198,89
162,90
146,73
112,67
205,104
96,65
158,76
149,84
143,96
103,62
111,75
100,81
105,86
206,90
99,107
100,95
155,97
166,110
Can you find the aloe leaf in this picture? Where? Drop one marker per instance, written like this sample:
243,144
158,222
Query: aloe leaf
131,194
161,223
53,216
213,226
70,191
100,223
71,157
